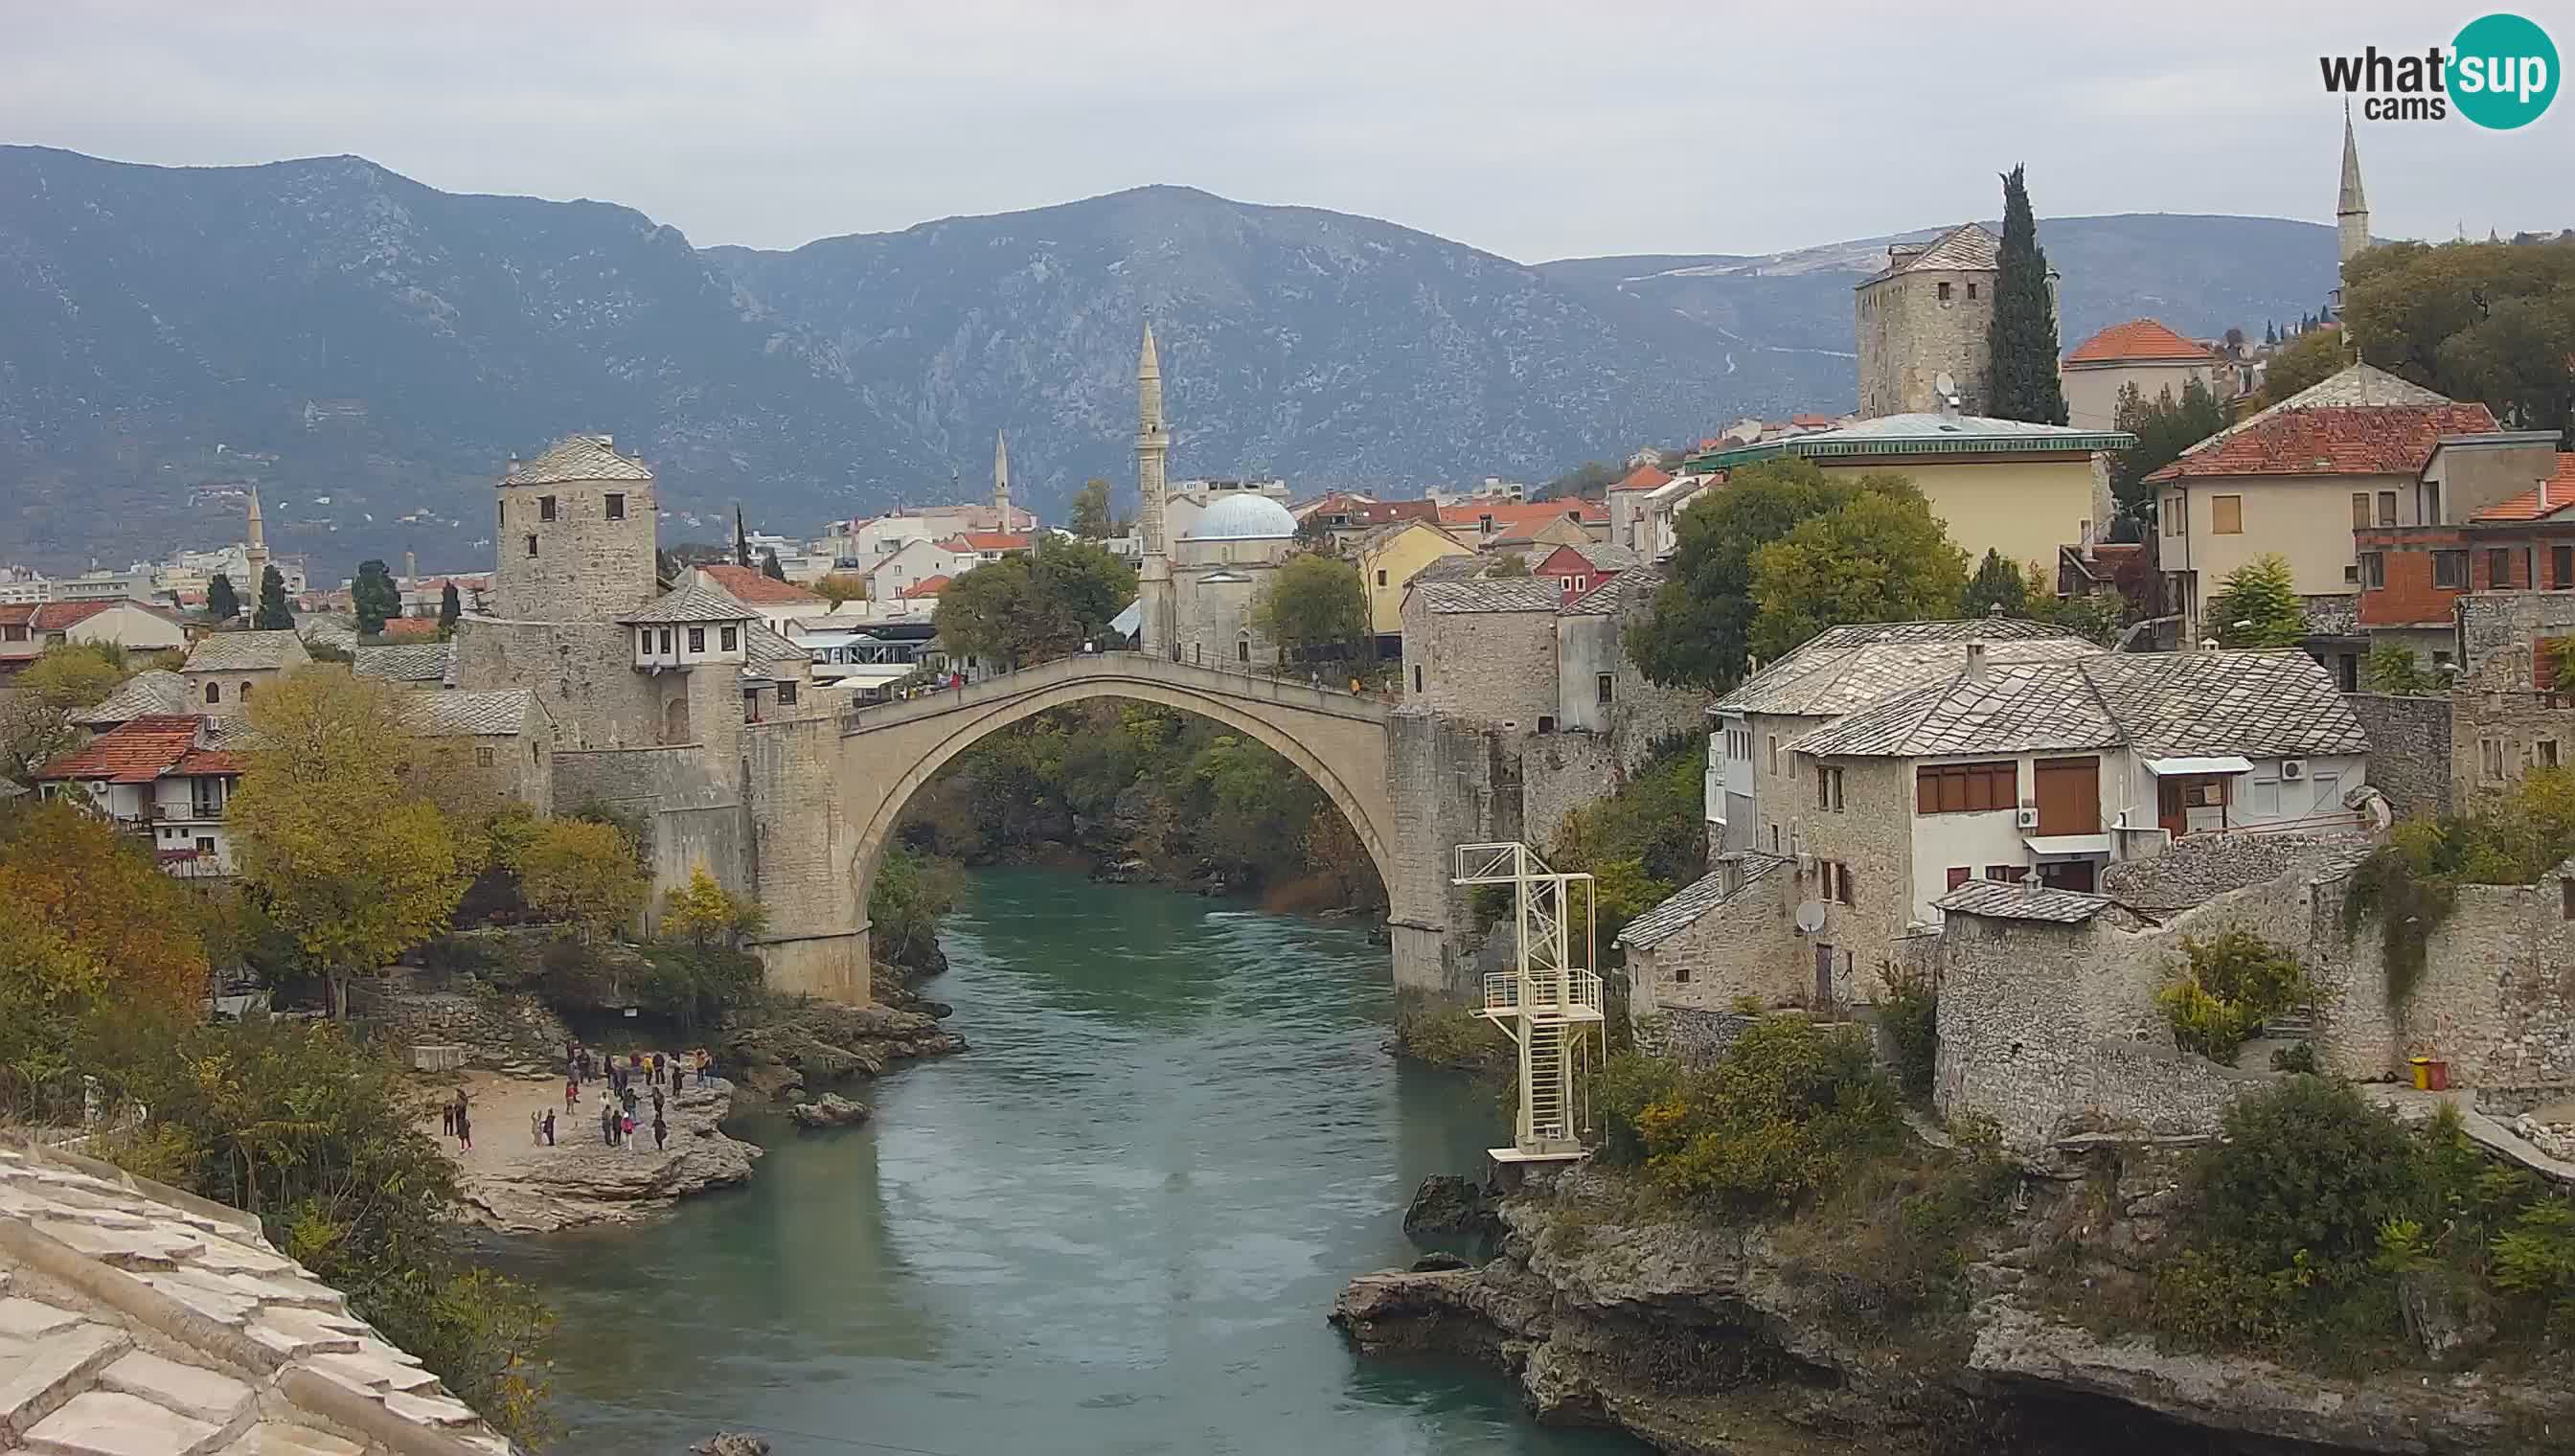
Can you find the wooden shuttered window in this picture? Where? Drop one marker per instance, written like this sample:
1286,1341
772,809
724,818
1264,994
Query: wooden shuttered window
1967,787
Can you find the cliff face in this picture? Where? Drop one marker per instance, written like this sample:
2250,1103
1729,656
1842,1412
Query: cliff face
1706,1338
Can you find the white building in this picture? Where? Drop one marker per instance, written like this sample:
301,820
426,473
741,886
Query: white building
160,777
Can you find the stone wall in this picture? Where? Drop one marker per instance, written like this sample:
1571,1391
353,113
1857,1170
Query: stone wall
2497,628
2198,869
1908,335
691,817
2496,999
1746,945
1485,666
1560,772
802,860
583,672
2410,750
1700,1038
1448,783
2497,736
494,1030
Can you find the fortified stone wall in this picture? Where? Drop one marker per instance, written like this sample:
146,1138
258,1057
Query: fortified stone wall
1560,772
584,567
1908,335
2497,629
2497,736
2496,999
1485,666
692,818
583,672
1448,783
2410,750
802,860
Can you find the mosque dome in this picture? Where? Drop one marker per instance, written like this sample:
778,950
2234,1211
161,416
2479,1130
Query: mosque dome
1246,516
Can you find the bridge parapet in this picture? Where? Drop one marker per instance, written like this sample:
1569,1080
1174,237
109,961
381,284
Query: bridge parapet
1116,666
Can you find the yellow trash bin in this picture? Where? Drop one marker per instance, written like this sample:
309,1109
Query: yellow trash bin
2422,1072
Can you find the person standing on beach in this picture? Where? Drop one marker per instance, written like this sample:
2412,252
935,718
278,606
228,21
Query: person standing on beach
550,1127
572,1095
446,1118
660,1130
463,1125
536,1130
607,1121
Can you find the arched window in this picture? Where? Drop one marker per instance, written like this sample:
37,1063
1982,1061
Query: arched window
1243,650
245,691
214,693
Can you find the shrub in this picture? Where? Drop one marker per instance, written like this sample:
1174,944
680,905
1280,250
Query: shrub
1910,1012
1452,1036
2307,1176
2232,984
583,873
1786,1115
1631,1081
2411,884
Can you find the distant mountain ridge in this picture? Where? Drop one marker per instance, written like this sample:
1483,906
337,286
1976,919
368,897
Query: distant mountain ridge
329,329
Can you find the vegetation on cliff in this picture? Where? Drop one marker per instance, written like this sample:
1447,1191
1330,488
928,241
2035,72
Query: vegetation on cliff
2412,882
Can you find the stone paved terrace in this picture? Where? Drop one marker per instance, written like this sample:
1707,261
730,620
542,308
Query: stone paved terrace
136,1320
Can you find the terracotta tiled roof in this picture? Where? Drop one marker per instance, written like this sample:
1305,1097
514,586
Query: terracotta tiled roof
205,762
994,541
2332,439
134,752
410,628
2136,339
1381,512
2546,499
926,587
1813,422
56,615
1519,518
750,586
1642,478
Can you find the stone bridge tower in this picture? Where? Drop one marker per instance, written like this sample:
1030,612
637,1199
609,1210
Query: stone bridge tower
573,533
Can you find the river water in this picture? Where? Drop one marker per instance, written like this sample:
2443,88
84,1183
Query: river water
1114,1225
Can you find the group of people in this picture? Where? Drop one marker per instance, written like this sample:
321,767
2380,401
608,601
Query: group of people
456,1121
620,1103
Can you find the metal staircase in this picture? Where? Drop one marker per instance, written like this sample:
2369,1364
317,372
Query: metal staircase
1549,1005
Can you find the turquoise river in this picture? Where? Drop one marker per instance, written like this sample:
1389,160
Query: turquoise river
1114,1225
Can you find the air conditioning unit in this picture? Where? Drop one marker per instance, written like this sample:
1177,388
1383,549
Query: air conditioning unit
2292,769
2027,818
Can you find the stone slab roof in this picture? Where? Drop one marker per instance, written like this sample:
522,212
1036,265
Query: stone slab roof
136,1320
766,648
405,661
689,603
576,457
1615,598
238,652
452,713
2258,705
1844,669
1694,900
150,692
1964,248
1999,901
1493,594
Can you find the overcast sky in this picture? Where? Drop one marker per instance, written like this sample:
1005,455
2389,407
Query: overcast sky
1534,130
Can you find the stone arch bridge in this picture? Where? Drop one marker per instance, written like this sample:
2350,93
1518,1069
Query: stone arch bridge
825,795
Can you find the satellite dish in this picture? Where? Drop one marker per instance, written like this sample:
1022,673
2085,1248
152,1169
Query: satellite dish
1945,383
1811,918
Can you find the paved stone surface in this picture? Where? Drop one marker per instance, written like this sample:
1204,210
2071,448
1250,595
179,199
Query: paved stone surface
183,1389
106,1350
110,1423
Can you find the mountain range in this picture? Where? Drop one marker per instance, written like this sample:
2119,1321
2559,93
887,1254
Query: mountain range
368,350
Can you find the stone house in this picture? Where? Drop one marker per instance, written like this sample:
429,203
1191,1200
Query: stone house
406,664
501,736
2509,713
778,604
2141,352
161,778
2497,514
1626,503
225,668
1998,485
1482,650
2351,447
154,692
1578,568
2046,770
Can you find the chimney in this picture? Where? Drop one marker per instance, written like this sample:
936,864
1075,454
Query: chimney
1976,659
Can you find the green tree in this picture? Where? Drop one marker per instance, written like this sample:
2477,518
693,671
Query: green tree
1080,587
2493,322
2306,360
842,586
2095,616
1311,603
1508,564
272,615
35,715
2258,605
2395,669
451,610
1699,631
2022,337
348,857
2164,427
222,603
770,568
741,538
1880,557
582,873
1998,583
907,900
1044,602
1090,517
374,596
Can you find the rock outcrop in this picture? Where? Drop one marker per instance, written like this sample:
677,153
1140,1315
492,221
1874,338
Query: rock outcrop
1707,1337
581,1180
1447,1205
829,1110
819,1043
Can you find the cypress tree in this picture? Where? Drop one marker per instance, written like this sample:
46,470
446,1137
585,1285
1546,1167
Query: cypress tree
272,615
741,538
222,603
374,596
2022,341
770,568
450,608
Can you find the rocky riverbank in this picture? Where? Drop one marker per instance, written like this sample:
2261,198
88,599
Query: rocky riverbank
805,1045
1715,1339
513,1182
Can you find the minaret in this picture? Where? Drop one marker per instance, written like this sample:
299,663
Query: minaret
1000,481
255,554
1153,443
2351,210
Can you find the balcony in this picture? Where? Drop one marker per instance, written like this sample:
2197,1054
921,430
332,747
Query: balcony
1504,993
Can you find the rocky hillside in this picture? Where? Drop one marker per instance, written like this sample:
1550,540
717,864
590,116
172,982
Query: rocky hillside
367,349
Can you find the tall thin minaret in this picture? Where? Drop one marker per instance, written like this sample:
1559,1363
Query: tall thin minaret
1153,443
255,552
1000,481
2351,210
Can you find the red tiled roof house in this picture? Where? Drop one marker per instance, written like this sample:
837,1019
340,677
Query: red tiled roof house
157,776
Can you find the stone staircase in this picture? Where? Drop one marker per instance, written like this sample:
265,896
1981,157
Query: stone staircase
137,1321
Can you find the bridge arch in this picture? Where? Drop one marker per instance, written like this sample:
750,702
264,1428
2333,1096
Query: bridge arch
826,796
